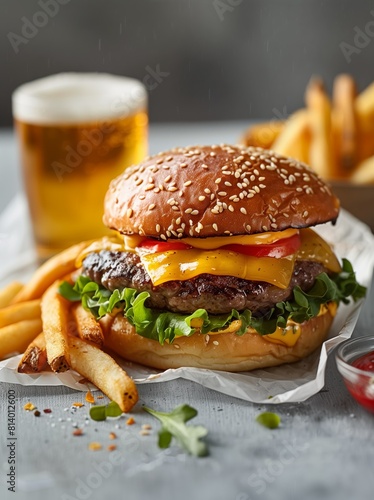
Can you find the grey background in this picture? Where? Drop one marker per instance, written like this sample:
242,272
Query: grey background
253,59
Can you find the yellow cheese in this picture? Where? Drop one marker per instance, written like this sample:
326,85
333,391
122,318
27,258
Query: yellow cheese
285,336
186,264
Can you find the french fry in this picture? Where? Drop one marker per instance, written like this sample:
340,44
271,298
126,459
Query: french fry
55,328
20,312
294,140
34,359
8,293
364,106
262,135
345,127
15,338
365,103
87,326
101,369
321,157
52,270
364,174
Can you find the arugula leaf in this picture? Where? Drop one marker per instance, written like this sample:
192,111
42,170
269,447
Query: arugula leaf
269,419
101,412
174,425
165,326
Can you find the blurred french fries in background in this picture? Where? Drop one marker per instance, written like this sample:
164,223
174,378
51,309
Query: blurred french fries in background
345,126
8,293
336,139
16,337
319,107
294,138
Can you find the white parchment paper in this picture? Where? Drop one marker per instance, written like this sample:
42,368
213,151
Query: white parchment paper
288,383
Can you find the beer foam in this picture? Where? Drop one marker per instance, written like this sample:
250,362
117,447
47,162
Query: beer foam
78,98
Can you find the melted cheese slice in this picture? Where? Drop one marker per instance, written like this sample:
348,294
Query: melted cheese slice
187,264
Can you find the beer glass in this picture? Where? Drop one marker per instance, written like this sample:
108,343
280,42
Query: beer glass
76,131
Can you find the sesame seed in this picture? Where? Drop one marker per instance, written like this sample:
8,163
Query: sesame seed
175,208
183,165
149,187
215,342
130,212
188,183
177,346
215,227
163,237
169,158
243,210
207,191
158,228
201,198
138,182
172,188
168,178
306,213
188,210
178,221
200,226
228,184
195,212
248,228
204,166
151,206
141,197
231,208
212,153
217,181
159,161
222,193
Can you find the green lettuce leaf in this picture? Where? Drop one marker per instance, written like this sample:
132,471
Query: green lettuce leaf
166,326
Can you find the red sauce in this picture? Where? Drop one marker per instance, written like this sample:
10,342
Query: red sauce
365,362
363,390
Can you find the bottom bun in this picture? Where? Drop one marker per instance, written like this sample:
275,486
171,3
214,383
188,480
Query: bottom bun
226,351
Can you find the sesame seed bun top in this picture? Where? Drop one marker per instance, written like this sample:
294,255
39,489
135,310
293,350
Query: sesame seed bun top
221,190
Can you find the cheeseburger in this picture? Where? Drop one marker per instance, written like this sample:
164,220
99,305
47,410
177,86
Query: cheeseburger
214,263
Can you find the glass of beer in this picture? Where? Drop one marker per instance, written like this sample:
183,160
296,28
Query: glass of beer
77,131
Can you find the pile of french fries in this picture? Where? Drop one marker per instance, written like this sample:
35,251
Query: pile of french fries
334,136
55,334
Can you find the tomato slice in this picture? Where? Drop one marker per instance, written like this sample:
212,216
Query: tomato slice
278,249
154,246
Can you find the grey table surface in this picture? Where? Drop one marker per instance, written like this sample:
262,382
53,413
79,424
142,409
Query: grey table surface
324,448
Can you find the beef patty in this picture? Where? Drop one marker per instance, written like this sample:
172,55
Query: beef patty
216,294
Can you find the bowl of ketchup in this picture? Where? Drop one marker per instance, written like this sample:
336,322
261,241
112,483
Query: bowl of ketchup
355,362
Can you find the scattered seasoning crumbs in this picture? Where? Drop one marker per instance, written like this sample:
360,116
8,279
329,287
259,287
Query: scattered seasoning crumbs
37,413
78,405
78,432
146,427
112,435
94,446
130,421
112,447
144,433
29,407
100,397
90,398
47,410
